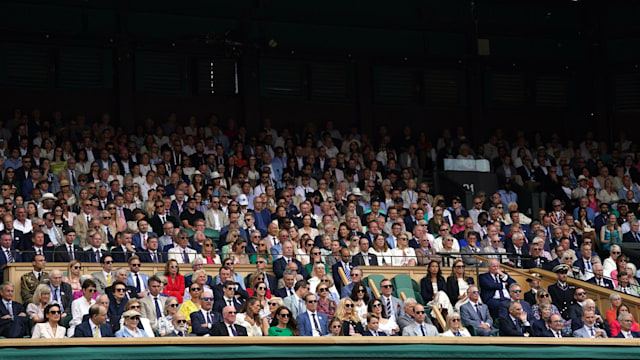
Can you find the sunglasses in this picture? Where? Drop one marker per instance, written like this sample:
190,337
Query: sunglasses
386,286
455,320
108,262
173,305
336,326
273,304
120,290
376,305
181,321
544,295
262,288
207,298
134,307
195,289
77,268
55,312
420,312
323,289
348,305
285,315
312,301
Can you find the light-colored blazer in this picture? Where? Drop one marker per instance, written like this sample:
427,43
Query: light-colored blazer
149,309
80,226
101,281
44,331
414,330
176,254
583,332
210,221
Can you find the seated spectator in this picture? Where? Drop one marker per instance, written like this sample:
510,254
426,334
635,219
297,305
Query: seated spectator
626,321
227,326
349,317
515,323
179,326
454,326
175,281
13,318
81,306
616,325
202,321
95,326
283,324
477,314
130,328
419,327
249,317
50,328
165,324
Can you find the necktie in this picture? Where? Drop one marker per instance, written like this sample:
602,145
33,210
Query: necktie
144,239
158,312
108,279
290,291
138,287
97,256
422,329
38,276
39,252
55,294
154,257
162,219
497,280
388,307
180,333
300,306
185,259
588,263
233,330
9,307
347,272
558,335
96,332
457,333
10,258
478,311
229,303
593,332
209,320
71,255
316,324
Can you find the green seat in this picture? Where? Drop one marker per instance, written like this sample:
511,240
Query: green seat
191,232
159,273
212,234
65,322
402,281
472,329
376,280
409,293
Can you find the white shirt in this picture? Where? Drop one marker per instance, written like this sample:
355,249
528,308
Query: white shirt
93,328
27,227
313,316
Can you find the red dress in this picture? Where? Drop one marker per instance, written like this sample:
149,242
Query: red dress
175,287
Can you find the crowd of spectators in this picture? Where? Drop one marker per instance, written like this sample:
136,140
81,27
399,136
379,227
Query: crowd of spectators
316,206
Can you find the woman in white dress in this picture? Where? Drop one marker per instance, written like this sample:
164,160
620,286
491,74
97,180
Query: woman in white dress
404,255
249,317
386,325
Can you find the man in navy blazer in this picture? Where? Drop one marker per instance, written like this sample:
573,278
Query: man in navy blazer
12,323
312,322
373,322
515,291
515,323
61,253
139,239
203,320
9,254
280,265
493,286
626,322
345,262
599,279
226,327
137,279
363,257
97,317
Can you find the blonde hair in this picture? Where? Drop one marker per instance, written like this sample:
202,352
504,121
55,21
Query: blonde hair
41,289
341,312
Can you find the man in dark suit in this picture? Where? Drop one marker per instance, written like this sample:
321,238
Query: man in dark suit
280,265
40,246
270,280
228,298
68,251
626,322
159,218
536,260
13,318
346,265
20,241
203,320
61,292
96,322
225,275
598,278
515,323
518,248
152,254
226,327
9,255
289,280
632,236
363,258
493,287
515,291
